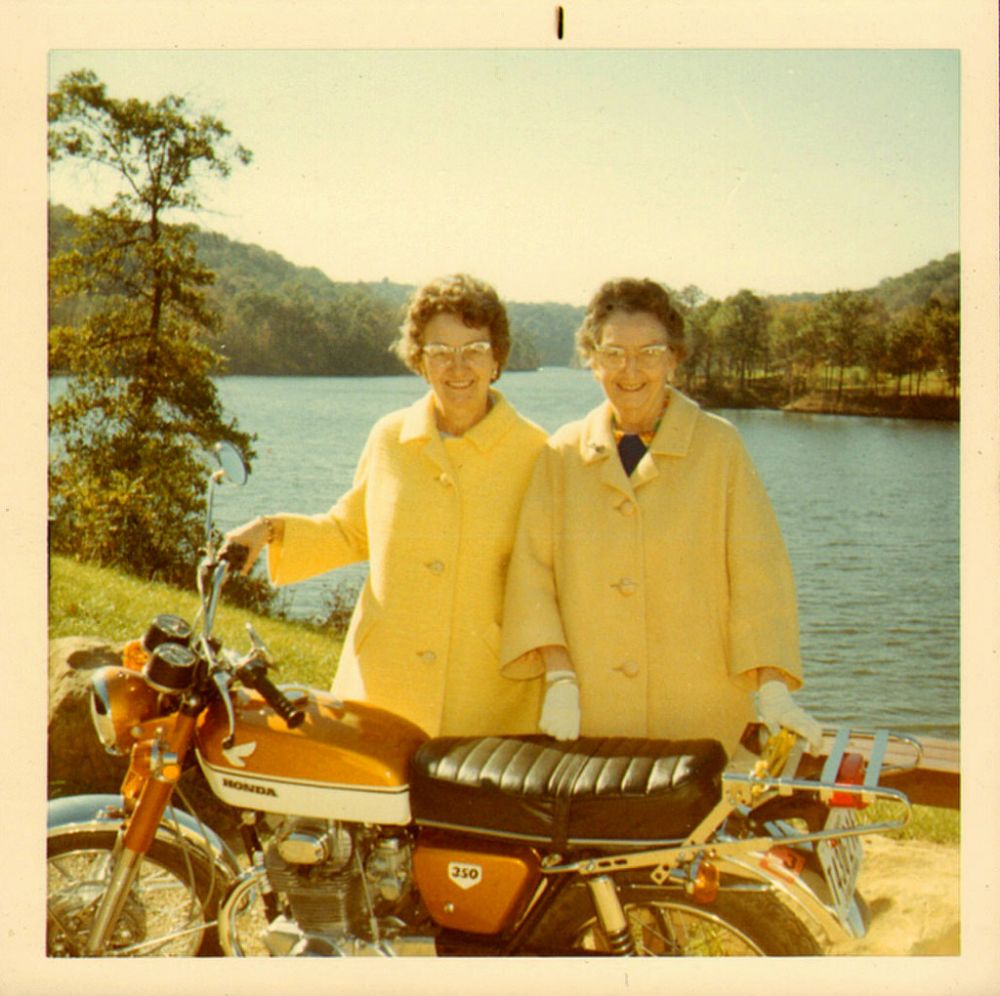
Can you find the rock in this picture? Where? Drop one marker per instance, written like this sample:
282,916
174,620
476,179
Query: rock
78,764
77,761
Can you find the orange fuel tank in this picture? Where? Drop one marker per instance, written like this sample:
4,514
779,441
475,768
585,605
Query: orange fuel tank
346,761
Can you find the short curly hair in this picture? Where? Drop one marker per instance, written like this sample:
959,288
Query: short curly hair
629,296
474,301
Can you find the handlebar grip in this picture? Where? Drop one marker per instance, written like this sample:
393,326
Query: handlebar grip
254,676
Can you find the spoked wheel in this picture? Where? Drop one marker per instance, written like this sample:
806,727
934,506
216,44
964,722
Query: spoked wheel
169,911
668,924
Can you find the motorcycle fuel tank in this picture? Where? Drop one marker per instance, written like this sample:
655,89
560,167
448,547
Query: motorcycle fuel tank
346,761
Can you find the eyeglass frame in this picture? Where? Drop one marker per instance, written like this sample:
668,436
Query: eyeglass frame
440,352
615,357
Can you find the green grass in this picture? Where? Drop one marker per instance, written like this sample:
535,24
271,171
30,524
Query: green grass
85,600
930,823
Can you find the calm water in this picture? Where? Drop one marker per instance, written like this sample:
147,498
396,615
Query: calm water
869,509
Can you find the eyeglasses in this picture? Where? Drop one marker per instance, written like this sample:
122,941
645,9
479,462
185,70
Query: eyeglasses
614,357
438,352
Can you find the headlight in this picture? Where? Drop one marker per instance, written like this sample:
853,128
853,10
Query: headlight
119,701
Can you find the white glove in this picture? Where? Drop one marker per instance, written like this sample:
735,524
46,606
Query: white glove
561,706
777,710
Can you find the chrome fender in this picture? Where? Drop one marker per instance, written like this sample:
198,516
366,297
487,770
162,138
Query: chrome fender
798,893
86,813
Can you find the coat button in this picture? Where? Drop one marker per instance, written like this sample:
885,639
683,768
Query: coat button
427,656
444,480
626,587
627,508
630,668
435,566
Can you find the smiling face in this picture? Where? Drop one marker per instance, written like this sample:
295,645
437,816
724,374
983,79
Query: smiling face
635,383
460,382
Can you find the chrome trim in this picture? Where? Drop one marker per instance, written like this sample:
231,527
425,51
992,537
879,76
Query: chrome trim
104,724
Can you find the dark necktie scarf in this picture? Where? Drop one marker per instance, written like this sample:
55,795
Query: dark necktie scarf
631,449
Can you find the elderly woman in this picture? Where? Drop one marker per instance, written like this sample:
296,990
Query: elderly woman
433,508
649,581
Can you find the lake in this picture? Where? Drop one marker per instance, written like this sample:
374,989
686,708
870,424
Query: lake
869,509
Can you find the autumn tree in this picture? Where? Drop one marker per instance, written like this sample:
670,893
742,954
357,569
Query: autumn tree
126,486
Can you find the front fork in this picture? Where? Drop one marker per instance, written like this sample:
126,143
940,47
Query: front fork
157,768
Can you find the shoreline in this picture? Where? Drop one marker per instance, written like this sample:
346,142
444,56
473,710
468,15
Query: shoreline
926,407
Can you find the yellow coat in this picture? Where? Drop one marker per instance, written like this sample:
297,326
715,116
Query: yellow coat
435,517
665,588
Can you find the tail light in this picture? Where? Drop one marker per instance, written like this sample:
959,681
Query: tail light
851,772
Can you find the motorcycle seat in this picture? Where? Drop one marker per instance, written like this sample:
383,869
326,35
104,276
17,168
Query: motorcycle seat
592,791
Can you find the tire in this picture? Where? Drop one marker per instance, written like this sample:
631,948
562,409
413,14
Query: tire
666,923
170,910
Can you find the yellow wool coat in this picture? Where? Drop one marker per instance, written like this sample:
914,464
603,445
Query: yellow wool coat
666,587
435,517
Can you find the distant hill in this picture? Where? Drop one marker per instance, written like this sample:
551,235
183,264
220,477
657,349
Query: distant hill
264,299
940,278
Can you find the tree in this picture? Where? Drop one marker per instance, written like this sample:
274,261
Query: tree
126,482
943,326
741,324
840,318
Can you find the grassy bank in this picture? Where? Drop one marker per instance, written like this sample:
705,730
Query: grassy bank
93,601
85,600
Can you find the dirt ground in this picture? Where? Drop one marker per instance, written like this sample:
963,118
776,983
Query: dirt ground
912,888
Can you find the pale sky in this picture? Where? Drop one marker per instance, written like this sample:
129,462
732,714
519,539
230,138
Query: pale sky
548,171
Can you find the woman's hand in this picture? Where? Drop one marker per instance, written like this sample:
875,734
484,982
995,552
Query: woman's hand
777,709
253,536
561,706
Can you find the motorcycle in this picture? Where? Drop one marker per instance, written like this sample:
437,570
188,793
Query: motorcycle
364,837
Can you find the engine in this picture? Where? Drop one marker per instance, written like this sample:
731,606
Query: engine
343,886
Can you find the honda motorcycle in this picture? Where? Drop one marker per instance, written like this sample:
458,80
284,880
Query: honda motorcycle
361,836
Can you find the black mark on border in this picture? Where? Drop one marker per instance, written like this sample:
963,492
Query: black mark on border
559,23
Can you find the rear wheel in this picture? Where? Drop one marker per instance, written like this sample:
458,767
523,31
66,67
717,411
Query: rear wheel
170,909
666,923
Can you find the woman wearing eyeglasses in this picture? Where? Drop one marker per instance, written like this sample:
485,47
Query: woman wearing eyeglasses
433,509
649,584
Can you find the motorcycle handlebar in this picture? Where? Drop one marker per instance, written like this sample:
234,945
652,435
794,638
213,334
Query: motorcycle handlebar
253,675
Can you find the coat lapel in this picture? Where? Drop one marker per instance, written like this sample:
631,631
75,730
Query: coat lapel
420,428
673,438
597,446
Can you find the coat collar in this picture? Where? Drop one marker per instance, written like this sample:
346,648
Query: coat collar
420,423
673,438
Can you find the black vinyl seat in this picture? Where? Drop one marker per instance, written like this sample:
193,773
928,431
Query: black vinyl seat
584,792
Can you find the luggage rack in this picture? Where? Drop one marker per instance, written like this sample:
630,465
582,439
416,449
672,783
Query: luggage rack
837,845
751,783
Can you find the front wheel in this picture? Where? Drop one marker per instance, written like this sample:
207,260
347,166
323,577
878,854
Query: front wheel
666,923
170,909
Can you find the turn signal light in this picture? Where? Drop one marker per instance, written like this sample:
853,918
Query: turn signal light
705,888
134,656
851,772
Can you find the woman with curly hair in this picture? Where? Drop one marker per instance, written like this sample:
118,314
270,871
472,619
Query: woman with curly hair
433,509
649,582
